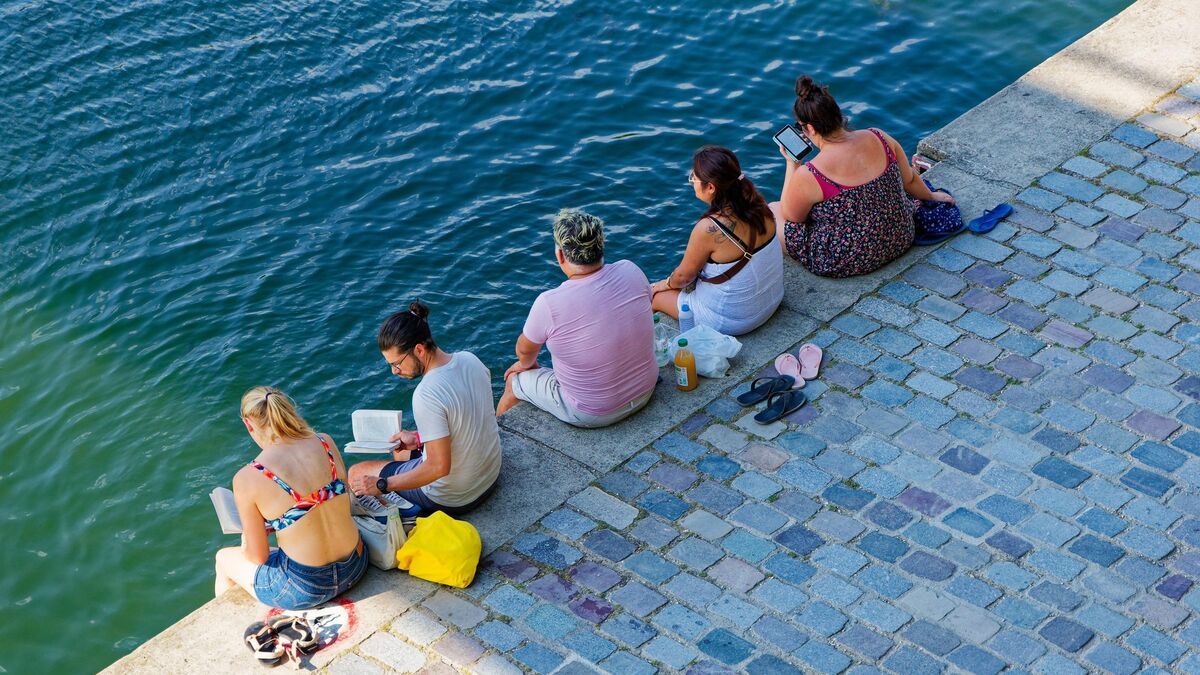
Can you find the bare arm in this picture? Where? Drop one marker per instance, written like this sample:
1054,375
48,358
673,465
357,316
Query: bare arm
704,239
913,184
254,527
800,193
527,351
435,466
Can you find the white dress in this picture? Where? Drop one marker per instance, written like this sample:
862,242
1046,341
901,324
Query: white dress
744,302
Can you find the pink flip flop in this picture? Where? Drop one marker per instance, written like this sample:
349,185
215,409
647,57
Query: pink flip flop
786,364
810,361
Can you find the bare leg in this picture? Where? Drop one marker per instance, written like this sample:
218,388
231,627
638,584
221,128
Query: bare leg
234,570
508,399
666,302
371,468
779,223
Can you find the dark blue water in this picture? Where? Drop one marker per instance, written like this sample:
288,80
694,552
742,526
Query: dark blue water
196,198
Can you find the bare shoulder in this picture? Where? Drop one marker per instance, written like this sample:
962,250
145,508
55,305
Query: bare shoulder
329,439
245,478
707,232
887,137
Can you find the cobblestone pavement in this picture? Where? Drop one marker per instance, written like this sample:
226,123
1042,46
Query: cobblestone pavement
996,472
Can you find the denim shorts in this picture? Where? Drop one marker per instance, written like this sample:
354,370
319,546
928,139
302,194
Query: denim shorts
418,497
284,583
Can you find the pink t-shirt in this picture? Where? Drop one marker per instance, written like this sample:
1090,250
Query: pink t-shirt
600,332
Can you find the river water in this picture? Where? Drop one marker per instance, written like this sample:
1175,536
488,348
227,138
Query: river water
196,198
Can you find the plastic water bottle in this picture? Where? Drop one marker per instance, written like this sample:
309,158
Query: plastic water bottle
687,320
663,335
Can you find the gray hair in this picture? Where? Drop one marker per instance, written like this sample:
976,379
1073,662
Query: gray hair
580,236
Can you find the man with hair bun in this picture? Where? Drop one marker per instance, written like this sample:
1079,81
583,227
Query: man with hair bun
452,460
599,328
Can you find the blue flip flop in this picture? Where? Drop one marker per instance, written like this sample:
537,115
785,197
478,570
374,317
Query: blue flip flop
988,221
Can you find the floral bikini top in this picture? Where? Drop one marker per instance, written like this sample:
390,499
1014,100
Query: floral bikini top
303,505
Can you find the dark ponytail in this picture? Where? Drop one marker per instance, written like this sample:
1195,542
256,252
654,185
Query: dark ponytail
815,106
404,330
735,195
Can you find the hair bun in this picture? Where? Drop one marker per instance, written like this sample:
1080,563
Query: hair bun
807,88
418,309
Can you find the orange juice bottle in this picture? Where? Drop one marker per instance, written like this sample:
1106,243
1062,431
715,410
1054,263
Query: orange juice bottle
685,368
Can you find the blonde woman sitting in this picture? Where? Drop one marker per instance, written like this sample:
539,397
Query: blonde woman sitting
296,488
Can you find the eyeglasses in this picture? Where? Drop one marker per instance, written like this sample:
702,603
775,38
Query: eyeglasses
396,366
691,178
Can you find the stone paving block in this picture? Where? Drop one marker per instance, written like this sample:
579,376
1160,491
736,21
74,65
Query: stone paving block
353,664
706,525
985,249
724,438
1042,198
396,653
975,660
695,553
651,566
604,507
1161,172
927,566
609,544
936,280
1121,206
1078,213
1113,659
1156,644
677,446
735,575
823,657
1066,334
865,641
881,615
681,621
1164,124
1067,634
671,476
455,610
670,652
884,582
1056,564
628,629
459,649
736,610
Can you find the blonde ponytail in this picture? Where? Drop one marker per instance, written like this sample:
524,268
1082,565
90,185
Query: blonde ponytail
271,409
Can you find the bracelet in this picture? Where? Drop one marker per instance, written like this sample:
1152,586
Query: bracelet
667,281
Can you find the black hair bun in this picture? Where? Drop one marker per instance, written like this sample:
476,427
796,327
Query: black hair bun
419,309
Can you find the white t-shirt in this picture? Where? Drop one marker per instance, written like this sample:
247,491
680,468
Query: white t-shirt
455,400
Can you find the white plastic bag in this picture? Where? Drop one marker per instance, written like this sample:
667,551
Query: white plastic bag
382,539
712,349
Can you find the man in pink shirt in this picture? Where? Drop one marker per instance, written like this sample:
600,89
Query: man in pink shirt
599,328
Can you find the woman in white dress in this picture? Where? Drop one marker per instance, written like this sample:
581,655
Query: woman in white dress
731,275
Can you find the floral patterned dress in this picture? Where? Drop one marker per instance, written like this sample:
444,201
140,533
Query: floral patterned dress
854,230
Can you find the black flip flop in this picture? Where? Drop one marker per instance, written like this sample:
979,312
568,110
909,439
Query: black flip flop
296,634
262,639
781,403
762,388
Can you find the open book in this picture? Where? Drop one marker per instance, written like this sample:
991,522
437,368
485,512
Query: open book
372,429
227,513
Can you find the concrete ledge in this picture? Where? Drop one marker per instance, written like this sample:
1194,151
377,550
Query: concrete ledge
1076,96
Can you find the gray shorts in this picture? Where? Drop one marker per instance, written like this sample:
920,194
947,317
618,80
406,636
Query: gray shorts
540,387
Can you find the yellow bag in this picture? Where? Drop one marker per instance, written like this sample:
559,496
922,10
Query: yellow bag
441,549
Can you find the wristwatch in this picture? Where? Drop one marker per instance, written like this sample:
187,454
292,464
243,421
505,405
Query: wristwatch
381,485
